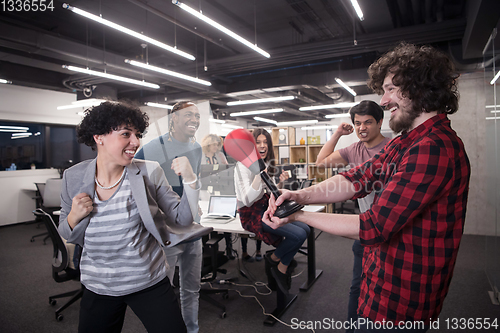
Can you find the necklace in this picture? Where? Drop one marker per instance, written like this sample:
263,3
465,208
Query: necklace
110,187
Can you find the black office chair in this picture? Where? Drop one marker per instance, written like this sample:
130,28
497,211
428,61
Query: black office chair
61,265
213,259
49,202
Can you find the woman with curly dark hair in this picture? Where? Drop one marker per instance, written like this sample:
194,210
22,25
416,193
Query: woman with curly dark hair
119,210
253,200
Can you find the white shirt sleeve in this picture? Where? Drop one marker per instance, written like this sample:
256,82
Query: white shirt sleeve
243,179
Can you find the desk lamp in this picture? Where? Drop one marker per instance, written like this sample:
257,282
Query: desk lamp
240,145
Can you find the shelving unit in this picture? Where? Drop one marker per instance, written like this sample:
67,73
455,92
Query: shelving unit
303,156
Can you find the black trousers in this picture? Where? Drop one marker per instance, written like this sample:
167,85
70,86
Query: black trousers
157,307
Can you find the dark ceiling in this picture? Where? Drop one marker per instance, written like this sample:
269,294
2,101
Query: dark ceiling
310,42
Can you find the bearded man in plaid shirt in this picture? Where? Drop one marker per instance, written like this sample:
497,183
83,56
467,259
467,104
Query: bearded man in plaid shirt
413,230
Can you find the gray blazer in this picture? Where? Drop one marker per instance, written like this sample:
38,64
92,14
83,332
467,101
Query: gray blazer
166,216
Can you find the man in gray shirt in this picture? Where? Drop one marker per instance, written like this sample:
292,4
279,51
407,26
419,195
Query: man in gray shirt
367,118
179,141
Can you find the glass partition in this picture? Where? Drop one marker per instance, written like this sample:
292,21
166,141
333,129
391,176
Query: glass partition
492,118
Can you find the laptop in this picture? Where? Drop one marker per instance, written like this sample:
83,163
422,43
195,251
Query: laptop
222,209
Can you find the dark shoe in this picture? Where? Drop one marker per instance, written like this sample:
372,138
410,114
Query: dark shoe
271,282
258,257
291,267
248,258
284,281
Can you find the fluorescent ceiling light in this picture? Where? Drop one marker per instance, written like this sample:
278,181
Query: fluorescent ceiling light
13,129
262,100
300,122
128,31
357,9
22,134
329,106
265,120
82,103
221,28
338,115
250,113
5,81
345,86
318,127
111,76
218,121
231,126
158,105
493,106
492,118
495,78
167,72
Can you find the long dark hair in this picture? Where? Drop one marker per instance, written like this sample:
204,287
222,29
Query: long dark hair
272,170
423,74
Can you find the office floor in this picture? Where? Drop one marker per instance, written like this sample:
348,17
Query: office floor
26,283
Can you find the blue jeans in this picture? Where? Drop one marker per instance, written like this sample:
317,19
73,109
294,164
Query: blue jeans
357,270
188,256
294,234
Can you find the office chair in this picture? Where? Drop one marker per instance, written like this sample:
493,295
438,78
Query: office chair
212,260
62,263
50,201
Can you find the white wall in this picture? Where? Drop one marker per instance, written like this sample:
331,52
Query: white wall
36,105
19,188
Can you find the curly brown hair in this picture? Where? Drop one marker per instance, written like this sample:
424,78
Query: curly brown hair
107,117
423,74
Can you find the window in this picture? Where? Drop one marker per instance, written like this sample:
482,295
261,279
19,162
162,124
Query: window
27,145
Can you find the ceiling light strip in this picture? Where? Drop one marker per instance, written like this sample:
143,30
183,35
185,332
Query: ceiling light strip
262,100
82,104
221,28
345,86
158,105
111,76
357,9
329,106
299,122
167,72
318,127
5,81
251,113
337,115
495,78
128,31
14,128
265,120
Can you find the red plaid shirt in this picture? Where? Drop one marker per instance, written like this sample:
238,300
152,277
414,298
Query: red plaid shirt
413,230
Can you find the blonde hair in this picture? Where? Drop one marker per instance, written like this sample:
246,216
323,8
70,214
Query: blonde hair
208,140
